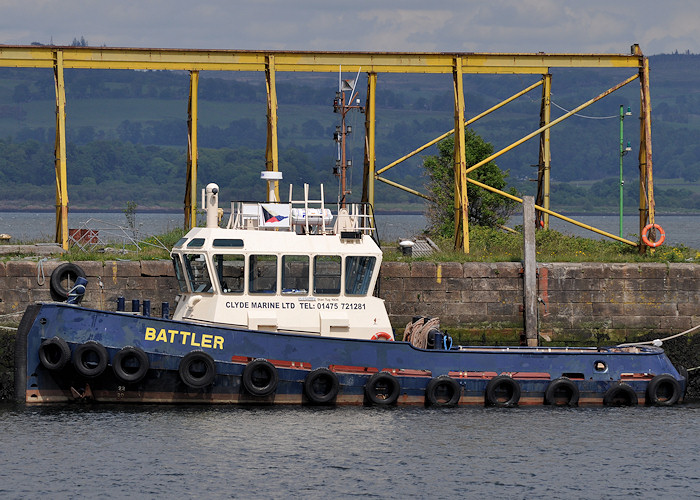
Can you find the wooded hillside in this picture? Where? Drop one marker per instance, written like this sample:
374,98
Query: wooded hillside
127,134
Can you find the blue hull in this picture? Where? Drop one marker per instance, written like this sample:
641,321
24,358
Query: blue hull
301,369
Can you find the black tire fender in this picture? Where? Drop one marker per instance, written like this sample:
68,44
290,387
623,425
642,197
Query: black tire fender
54,353
321,386
620,394
383,389
130,364
502,391
563,392
260,377
443,391
197,369
90,359
67,272
663,390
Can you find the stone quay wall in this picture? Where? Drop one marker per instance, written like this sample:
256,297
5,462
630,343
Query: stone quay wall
25,282
578,301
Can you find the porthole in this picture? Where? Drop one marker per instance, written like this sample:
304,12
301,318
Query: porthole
600,366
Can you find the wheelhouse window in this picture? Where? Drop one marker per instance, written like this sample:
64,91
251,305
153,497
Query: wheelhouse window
179,274
228,243
263,274
327,274
198,273
358,274
196,243
295,274
230,270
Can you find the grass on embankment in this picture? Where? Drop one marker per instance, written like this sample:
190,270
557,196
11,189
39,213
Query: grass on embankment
494,245
485,245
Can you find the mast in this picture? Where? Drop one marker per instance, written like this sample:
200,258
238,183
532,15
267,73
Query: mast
340,105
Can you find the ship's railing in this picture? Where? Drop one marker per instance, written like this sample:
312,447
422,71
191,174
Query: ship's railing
306,216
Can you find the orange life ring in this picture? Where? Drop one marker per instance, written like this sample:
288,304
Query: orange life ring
661,236
382,335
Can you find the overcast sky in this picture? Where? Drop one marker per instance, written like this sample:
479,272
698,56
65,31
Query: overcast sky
582,26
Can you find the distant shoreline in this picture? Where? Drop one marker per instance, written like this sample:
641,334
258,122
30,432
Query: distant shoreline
376,212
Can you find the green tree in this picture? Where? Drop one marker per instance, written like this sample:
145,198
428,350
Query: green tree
485,207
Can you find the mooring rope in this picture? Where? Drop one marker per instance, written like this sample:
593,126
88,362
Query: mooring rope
11,314
658,342
417,333
40,276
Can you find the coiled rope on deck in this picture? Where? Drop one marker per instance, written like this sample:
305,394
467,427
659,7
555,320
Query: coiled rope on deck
417,332
659,342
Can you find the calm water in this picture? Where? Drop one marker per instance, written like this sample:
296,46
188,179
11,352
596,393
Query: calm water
31,226
229,452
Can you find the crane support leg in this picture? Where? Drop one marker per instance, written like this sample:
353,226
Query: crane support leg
192,155
370,138
271,151
544,163
60,153
460,163
646,177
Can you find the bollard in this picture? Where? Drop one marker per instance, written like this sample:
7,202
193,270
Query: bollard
165,310
146,307
120,303
135,306
406,247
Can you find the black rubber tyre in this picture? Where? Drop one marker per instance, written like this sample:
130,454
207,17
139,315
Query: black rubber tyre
620,394
383,389
90,359
562,392
130,364
443,391
260,377
502,391
321,386
663,390
54,353
197,369
62,280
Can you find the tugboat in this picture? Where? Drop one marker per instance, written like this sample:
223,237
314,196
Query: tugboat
277,306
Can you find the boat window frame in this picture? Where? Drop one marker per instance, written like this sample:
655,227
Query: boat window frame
316,275
253,274
197,243
295,291
227,243
180,273
195,286
367,273
219,274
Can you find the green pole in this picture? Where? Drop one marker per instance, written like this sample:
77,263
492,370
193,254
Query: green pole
622,152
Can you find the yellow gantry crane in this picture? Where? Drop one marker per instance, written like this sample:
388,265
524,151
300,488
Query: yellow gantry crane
373,63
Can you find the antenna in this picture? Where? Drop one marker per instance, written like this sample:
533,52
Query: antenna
354,86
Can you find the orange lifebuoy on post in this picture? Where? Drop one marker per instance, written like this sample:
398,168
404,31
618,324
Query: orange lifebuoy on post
382,335
660,237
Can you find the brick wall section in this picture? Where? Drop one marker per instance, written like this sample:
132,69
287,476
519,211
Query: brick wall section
581,299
